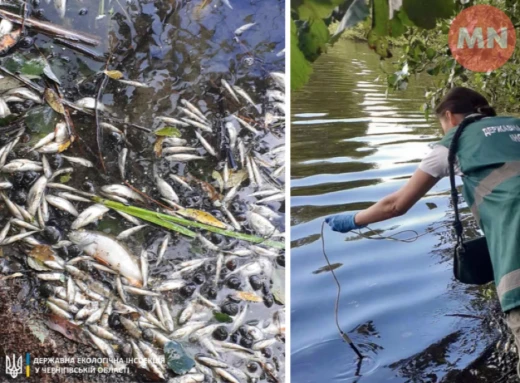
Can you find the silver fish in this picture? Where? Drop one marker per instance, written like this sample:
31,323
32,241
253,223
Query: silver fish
62,204
122,191
137,291
241,92
166,190
168,320
173,121
239,320
162,249
90,103
177,149
180,181
137,84
63,305
144,267
5,185
170,285
206,144
229,89
35,195
61,7
193,108
130,232
89,215
183,157
71,291
246,125
120,290
19,166
244,28
201,126
175,141
131,327
122,161
138,356
58,310
14,238
192,115
103,346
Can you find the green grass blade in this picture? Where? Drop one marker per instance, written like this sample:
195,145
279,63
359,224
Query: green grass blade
174,223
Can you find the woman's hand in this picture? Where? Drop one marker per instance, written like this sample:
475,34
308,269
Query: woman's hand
342,223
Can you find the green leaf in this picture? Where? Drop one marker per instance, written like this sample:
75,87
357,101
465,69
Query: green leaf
300,67
425,13
168,131
177,359
313,41
222,318
173,223
315,10
32,68
65,178
41,119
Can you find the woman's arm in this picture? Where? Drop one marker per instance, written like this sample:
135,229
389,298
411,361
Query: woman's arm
400,202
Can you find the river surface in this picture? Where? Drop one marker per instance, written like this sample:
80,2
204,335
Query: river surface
180,50
353,144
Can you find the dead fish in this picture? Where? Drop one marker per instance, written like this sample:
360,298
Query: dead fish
183,157
90,103
51,276
5,27
122,161
144,267
177,149
131,327
25,225
14,238
188,378
168,320
162,249
122,191
103,346
227,3
180,181
201,126
129,218
275,95
120,290
239,320
192,115
137,84
229,89
232,134
244,28
194,109
89,215
168,285
103,333
246,125
72,197
130,232
35,195
62,204
137,291
206,144
58,310
4,108
166,190
61,7
241,92
279,78
5,231
22,166
174,141
272,198
78,160
172,121
109,252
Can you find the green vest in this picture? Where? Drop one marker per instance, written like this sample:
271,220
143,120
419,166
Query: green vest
489,158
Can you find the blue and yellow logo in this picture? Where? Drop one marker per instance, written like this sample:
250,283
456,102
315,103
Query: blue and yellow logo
27,365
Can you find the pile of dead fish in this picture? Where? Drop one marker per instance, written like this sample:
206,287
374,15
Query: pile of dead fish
94,283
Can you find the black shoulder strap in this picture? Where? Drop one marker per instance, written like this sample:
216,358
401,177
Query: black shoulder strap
457,225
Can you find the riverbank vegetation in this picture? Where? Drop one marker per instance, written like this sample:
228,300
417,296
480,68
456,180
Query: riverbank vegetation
411,34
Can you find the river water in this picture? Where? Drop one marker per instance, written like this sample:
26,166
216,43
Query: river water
352,144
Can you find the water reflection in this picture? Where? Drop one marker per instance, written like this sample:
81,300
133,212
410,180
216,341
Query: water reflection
352,144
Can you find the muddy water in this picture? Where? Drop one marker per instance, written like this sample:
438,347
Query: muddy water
181,49
352,144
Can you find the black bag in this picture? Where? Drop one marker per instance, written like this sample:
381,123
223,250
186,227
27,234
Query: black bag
472,262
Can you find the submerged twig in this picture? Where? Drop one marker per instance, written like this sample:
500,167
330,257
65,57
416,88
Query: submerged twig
50,29
99,134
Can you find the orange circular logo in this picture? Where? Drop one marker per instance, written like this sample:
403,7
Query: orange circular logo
482,38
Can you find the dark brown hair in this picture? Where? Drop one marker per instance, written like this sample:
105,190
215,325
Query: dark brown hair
464,101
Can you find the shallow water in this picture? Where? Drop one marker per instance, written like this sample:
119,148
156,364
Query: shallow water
352,144
181,49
